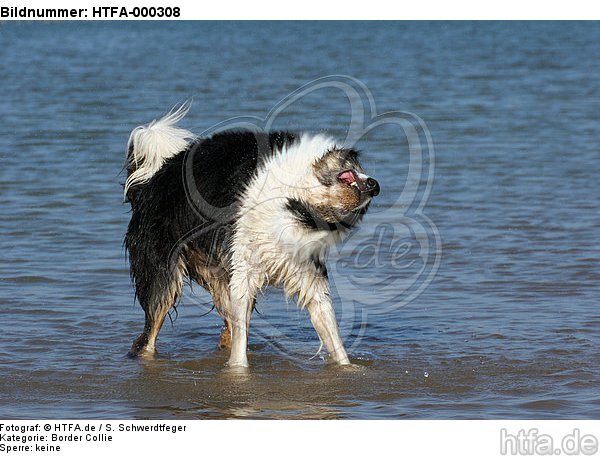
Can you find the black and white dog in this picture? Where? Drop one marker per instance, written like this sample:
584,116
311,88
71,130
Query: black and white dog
236,212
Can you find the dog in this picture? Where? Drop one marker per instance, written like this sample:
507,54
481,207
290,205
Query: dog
235,212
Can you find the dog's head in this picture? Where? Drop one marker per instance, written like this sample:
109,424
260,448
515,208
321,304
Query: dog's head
342,194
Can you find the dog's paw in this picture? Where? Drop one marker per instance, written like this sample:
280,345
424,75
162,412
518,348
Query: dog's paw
141,348
224,339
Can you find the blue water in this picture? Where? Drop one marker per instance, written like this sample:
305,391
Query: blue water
505,326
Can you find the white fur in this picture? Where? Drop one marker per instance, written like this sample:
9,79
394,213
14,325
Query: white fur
271,248
278,244
154,143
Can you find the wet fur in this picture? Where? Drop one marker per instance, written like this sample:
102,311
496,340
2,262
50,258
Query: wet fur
236,212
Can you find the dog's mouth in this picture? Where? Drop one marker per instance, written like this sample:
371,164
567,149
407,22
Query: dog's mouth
364,184
348,177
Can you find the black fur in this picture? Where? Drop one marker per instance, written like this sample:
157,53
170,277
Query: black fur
308,217
163,216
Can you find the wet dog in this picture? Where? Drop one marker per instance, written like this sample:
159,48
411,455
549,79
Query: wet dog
236,212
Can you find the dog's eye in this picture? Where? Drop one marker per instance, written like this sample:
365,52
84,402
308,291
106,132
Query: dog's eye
347,177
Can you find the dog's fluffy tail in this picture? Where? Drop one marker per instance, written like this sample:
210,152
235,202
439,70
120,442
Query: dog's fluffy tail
150,145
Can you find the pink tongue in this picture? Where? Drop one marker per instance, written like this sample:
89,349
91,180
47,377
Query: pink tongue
347,177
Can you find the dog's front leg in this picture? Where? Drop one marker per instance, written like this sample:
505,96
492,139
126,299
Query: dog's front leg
322,316
243,295
240,322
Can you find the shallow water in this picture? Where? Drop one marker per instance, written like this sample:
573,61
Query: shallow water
508,327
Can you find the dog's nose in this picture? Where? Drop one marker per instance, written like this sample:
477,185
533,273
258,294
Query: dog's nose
372,186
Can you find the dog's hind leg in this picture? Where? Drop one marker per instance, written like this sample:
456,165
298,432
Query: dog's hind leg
214,278
157,294
222,304
225,336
